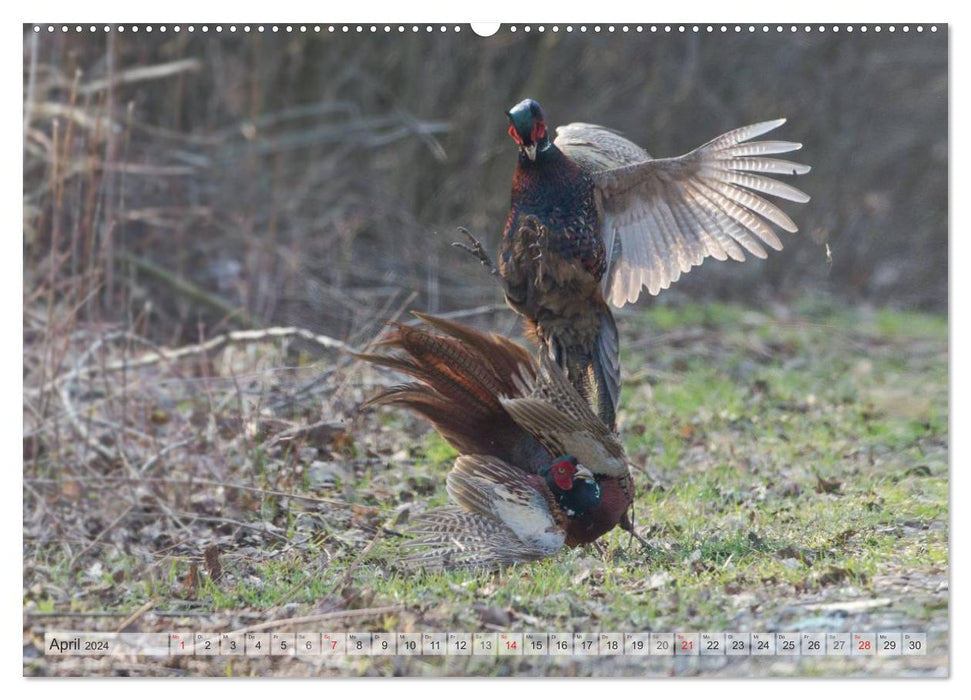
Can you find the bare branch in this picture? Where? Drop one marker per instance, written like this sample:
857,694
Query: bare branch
137,75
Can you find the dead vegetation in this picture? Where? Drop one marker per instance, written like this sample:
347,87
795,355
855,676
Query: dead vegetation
210,225
232,489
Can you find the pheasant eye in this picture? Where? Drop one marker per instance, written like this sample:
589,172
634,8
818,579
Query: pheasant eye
562,474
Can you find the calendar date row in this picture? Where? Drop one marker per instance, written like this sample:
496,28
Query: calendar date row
349,644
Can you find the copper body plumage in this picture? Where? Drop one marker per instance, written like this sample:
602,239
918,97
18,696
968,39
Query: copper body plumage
594,219
511,419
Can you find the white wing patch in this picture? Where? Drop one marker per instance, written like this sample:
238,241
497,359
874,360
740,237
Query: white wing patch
533,525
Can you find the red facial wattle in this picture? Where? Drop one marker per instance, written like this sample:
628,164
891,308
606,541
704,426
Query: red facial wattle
539,131
563,475
515,135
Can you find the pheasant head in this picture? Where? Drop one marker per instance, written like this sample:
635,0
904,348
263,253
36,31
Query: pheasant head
527,126
573,486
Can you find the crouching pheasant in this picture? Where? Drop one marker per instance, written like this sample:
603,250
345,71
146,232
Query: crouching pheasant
594,219
537,468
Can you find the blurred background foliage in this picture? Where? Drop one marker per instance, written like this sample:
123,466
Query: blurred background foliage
186,183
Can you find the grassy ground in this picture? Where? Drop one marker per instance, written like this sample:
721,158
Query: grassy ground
795,478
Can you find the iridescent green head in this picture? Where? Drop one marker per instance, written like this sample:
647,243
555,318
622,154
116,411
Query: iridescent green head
573,486
527,126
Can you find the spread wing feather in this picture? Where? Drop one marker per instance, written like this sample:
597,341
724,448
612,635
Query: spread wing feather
661,217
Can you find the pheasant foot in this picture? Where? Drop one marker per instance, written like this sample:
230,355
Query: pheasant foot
475,248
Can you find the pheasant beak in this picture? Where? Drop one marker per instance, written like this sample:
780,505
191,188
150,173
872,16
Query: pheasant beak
529,150
584,473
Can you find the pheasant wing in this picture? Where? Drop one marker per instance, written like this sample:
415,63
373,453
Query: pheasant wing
597,148
549,408
664,216
501,519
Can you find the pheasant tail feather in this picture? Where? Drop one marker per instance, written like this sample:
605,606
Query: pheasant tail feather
461,375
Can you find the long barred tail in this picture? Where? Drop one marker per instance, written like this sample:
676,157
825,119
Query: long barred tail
606,368
454,538
595,371
461,374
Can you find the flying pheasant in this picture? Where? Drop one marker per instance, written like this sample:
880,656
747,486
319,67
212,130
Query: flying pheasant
537,468
594,220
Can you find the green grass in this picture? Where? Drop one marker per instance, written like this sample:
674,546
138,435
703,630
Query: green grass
782,463
742,447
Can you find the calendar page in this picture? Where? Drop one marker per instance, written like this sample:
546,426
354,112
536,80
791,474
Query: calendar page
534,349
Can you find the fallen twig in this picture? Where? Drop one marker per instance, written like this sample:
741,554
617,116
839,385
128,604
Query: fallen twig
346,577
149,604
98,537
214,343
306,619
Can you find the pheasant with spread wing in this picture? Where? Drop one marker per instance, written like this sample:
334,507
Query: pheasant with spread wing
537,468
594,220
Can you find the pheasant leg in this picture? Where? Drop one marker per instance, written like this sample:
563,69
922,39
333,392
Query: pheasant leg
626,524
475,248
